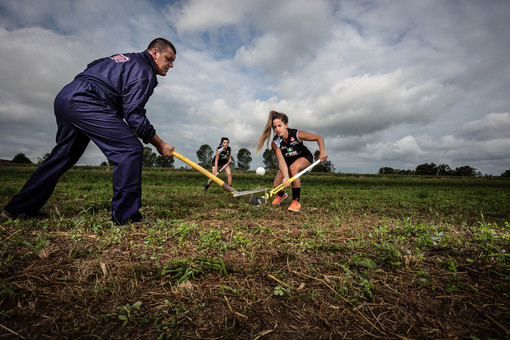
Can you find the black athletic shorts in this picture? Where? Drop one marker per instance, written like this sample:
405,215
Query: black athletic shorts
306,154
220,164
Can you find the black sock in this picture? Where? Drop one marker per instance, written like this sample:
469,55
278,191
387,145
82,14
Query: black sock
280,193
296,193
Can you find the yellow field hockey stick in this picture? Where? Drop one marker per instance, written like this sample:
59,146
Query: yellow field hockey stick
194,165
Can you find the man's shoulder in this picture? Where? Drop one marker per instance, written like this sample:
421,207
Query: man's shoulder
136,65
129,58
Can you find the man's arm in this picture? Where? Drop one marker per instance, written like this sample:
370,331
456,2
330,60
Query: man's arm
135,97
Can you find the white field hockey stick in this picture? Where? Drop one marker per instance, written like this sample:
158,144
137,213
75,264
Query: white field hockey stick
273,192
247,192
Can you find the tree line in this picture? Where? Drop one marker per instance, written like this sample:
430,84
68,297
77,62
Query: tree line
431,169
206,155
150,159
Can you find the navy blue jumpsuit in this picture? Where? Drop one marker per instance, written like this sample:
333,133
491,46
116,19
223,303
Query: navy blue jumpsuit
105,104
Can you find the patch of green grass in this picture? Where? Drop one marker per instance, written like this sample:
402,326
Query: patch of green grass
182,270
128,313
351,262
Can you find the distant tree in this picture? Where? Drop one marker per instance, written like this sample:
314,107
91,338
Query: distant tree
465,171
149,157
270,160
506,173
387,171
205,156
164,162
103,163
444,170
405,172
243,159
326,166
21,159
429,169
44,157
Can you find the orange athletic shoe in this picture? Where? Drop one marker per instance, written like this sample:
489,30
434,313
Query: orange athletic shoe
278,199
295,205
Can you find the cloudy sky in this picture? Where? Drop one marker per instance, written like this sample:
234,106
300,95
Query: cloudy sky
386,83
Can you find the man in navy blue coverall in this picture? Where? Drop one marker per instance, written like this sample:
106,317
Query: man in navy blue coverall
105,104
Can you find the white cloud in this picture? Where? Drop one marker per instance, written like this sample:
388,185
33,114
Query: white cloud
36,64
412,151
386,83
39,55
406,148
369,103
292,34
200,16
491,127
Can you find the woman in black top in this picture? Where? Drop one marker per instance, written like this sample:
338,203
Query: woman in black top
223,156
292,154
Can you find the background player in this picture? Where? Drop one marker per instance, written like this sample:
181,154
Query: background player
223,156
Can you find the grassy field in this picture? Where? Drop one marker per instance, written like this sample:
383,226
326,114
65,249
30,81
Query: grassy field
367,257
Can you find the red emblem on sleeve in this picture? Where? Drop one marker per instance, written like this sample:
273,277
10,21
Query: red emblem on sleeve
119,58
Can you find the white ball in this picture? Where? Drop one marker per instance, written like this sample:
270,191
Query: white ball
260,171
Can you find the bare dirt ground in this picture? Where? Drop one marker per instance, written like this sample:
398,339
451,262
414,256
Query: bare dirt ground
225,273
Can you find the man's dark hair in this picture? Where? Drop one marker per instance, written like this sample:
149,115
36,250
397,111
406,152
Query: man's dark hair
161,44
